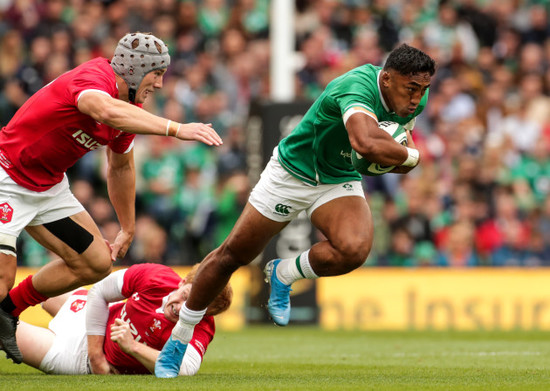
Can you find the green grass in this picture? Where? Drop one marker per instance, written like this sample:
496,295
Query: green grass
298,358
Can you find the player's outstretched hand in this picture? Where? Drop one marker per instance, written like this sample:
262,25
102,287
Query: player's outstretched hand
198,131
121,245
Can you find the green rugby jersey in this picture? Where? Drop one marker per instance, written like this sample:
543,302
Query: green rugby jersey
318,150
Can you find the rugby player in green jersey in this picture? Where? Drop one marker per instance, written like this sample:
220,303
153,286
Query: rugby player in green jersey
311,171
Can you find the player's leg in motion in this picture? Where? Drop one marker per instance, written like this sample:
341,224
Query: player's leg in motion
85,259
8,322
346,222
248,238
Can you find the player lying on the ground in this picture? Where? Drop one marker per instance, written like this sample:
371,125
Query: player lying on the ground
125,337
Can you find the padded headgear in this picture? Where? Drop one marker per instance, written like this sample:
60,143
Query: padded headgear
136,55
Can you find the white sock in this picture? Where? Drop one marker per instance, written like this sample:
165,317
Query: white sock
294,269
183,330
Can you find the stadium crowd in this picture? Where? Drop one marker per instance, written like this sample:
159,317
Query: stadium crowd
480,197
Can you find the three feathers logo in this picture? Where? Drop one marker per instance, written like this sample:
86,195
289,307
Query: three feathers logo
6,213
78,305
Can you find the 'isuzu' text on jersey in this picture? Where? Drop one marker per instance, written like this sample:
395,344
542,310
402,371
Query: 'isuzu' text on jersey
37,153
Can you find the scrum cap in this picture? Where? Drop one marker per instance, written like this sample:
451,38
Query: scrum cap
136,55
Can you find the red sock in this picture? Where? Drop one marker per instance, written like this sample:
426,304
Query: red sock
24,296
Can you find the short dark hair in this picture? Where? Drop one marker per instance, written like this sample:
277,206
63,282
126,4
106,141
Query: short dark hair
408,60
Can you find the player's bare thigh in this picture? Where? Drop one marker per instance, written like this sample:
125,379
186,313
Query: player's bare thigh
60,244
33,342
347,224
82,258
251,234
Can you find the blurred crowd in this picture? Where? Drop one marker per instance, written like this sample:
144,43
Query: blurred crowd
481,196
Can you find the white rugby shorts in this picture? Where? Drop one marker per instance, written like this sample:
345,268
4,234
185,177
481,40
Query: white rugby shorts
69,352
281,197
21,207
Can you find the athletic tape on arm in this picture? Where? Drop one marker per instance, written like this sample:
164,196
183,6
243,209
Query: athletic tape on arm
357,109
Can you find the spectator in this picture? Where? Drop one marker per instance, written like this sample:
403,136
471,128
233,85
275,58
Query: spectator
458,248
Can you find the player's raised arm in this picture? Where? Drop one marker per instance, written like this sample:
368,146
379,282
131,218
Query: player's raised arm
139,64
132,119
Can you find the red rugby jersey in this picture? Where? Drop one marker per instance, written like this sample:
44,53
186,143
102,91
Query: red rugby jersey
48,134
147,287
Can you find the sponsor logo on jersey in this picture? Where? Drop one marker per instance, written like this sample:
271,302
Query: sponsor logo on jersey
6,213
125,318
78,305
86,140
346,155
282,210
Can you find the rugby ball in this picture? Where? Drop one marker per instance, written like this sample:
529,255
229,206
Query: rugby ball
365,167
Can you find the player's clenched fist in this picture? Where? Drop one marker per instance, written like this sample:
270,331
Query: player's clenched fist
120,333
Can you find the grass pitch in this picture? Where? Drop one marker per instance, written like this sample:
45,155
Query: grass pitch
299,358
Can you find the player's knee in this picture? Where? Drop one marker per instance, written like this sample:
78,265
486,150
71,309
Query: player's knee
95,274
353,252
96,268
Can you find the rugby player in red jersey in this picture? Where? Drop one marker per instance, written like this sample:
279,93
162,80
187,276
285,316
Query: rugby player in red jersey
98,103
124,337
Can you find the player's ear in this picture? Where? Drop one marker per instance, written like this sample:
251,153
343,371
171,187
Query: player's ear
182,282
385,77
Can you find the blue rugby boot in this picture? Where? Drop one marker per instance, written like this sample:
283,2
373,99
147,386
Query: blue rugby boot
170,358
278,304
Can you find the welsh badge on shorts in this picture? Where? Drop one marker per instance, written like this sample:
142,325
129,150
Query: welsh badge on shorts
6,213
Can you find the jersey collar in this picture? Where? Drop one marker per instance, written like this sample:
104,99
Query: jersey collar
160,310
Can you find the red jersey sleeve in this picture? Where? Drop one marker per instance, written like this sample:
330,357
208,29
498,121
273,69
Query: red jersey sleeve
91,80
123,143
147,278
203,334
